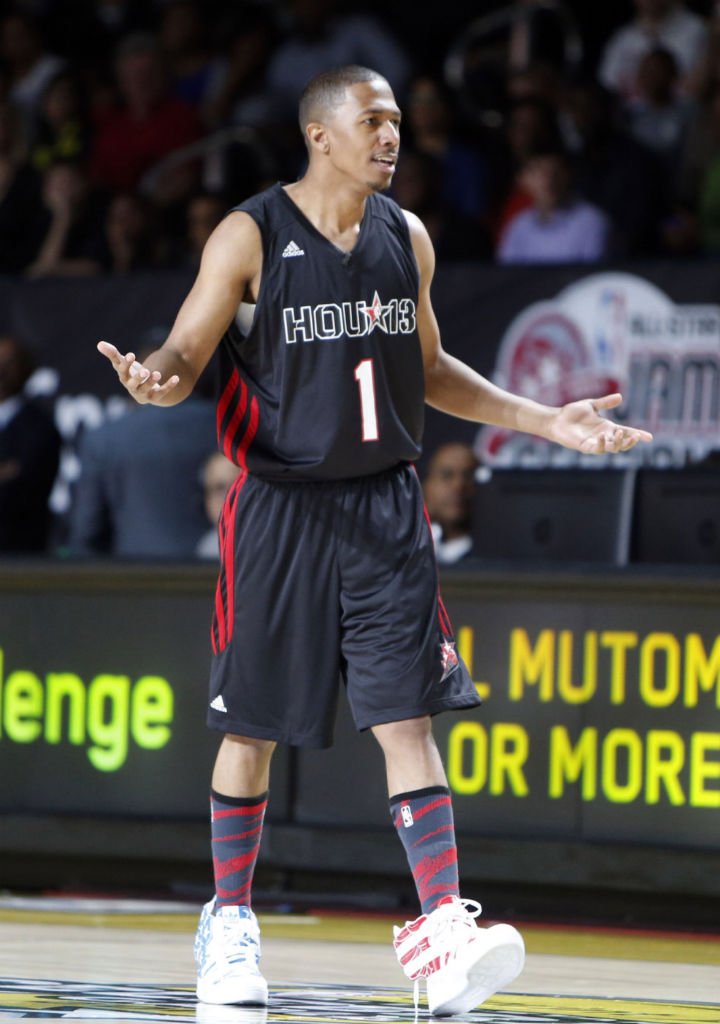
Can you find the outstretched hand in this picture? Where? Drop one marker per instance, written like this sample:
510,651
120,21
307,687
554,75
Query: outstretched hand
579,425
143,384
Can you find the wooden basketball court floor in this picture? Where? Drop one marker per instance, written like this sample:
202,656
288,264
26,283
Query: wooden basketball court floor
113,960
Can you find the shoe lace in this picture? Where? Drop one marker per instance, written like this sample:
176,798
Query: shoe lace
239,941
452,918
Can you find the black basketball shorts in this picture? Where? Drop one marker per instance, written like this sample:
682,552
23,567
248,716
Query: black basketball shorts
327,581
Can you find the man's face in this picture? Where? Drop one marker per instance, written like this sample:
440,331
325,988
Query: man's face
363,134
546,179
449,486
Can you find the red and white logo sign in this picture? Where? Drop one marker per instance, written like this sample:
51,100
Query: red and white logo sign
614,332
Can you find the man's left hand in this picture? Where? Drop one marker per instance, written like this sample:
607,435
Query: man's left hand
579,425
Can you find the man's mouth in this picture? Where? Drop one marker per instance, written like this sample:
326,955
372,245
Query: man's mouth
386,160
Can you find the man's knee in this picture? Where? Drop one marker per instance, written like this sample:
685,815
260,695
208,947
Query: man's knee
410,731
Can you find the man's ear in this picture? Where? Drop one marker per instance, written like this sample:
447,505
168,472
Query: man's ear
317,136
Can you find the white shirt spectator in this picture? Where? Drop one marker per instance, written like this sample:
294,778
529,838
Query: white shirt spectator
683,33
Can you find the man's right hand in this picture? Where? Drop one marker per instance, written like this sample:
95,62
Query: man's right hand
143,384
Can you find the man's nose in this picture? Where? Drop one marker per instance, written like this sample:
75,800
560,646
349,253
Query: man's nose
389,134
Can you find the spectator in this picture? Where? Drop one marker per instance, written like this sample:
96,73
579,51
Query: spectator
659,118
19,193
61,130
68,226
235,89
204,212
558,227
702,146
531,125
322,36
139,492
218,476
613,171
30,67
449,489
664,23
29,456
433,130
417,187
149,124
130,241
182,37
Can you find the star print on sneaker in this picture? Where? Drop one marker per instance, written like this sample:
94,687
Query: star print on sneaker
227,950
462,965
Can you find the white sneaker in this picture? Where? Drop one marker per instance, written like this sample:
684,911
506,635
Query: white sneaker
463,965
227,950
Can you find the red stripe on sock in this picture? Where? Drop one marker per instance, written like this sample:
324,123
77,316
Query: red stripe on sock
445,828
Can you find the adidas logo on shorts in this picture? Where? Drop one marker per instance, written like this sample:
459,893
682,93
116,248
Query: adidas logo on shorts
292,249
218,704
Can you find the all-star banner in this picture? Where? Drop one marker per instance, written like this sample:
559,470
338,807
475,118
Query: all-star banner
611,332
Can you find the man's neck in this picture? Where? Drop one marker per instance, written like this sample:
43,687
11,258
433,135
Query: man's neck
335,211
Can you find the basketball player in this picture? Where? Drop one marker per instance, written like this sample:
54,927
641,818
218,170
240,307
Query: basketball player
327,558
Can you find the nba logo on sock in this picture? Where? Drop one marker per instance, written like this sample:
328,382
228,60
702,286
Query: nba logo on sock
407,816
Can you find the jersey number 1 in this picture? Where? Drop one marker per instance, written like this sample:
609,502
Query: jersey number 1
365,376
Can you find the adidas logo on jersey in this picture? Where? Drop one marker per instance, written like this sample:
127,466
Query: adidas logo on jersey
292,249
218,704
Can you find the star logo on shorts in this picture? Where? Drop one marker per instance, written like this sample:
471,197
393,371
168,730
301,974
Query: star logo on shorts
450,660
375,313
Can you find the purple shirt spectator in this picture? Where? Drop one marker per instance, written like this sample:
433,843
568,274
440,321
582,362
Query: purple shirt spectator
577,233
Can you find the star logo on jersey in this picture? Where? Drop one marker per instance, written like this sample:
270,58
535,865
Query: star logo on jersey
450,660
376,314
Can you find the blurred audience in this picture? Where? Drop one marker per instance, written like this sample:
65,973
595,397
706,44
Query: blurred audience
530,126
67,226
61,130
613,171
320,35
218,476
148,123
19,193
129,240
659,117
432,128
124,88
449,490
204,213
139,493
29,456
28,65
183,42
665,23
417,186
559,227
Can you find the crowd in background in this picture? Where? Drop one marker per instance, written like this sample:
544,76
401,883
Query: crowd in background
128,128
533,132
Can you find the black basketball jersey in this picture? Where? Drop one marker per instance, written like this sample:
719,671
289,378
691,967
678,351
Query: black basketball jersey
328,381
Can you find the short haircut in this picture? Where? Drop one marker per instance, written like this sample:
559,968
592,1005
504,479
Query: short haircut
327,90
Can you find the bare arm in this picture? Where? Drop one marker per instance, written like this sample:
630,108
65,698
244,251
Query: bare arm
231,264
455,388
